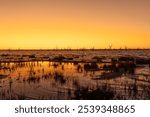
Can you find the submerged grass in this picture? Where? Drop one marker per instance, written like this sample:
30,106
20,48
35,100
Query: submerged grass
68,76
103,92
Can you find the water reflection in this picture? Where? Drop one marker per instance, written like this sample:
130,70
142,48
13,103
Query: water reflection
64,80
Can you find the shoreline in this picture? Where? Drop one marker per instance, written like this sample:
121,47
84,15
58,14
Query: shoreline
73,49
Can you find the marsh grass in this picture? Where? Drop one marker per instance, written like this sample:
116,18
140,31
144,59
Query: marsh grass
103,92
69,76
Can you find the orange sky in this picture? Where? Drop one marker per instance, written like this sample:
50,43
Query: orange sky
46,24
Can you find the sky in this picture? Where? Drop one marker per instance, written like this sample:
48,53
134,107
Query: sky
48,24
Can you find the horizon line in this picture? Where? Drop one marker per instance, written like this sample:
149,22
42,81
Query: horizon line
65,49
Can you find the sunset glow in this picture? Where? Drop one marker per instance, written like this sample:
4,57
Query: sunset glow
47,24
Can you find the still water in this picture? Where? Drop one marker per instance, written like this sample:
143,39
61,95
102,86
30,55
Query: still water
35,75
58,80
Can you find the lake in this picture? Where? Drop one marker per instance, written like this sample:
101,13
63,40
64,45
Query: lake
74,75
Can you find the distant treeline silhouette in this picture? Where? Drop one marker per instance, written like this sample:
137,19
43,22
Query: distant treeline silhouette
80,49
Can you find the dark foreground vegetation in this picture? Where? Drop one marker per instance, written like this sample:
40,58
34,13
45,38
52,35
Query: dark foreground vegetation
74,76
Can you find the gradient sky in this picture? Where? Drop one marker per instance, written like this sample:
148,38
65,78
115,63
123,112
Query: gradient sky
46,24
